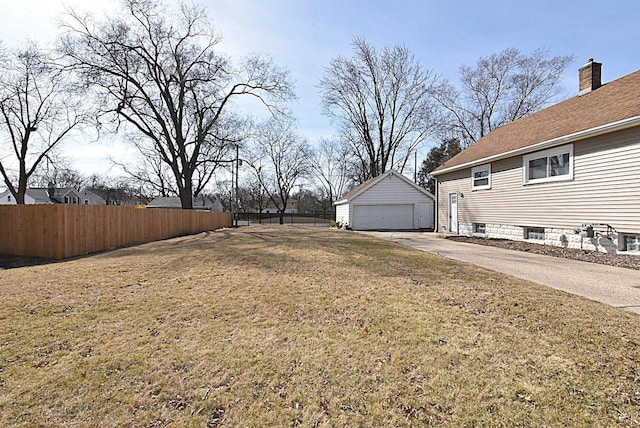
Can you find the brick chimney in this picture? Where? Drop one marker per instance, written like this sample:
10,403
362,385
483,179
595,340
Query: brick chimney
590,76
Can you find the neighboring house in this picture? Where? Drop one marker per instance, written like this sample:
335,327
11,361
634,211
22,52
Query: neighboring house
388,202
116,196
209,203
90,198
568,175
292,207
52,195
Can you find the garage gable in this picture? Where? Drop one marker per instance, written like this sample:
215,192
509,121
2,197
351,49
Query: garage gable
392,189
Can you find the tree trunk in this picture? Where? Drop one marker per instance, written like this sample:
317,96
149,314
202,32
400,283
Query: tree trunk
20,198
186,189
186,199
22,185
281,216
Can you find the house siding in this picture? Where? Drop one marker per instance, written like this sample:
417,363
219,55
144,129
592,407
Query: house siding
390,190
342,215
605,189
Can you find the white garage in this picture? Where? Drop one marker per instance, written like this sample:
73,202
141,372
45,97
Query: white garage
388,202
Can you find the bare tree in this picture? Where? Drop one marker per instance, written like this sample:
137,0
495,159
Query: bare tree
117,190
253,196
330,163
156,70
499,89
59,174
279,158
149,172
381,101
37,112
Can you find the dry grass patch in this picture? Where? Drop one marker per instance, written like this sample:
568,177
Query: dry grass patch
310,327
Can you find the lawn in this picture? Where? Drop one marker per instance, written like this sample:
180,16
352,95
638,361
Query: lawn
294,326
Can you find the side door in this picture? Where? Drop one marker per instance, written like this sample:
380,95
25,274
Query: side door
453,212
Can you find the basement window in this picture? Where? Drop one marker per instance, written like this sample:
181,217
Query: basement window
549,165
479,228
632,243
535,233
481,177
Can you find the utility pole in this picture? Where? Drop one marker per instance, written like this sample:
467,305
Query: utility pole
237,198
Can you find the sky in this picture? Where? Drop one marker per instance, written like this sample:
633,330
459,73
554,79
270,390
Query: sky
304,35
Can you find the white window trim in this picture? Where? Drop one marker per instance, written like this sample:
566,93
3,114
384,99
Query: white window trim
547,153
623,246
475,233
527,230
485,167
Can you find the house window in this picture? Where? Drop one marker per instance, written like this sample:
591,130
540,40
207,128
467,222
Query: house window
536,233
481,177
66,199
632,243
86,202
9,198
549,165
479,228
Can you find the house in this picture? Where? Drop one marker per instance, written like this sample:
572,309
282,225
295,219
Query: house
568,175
91,198
387,202
53,195
210,203
292,207
116,196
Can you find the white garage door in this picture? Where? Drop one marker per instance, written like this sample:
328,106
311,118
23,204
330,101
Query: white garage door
368,217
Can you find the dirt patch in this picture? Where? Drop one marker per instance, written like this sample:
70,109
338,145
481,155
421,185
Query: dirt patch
618,260
11,262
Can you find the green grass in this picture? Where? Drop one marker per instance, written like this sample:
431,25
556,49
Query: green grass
305,327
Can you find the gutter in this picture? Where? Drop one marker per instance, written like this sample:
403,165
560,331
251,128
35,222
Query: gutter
581,135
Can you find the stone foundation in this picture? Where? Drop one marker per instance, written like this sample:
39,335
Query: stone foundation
557,237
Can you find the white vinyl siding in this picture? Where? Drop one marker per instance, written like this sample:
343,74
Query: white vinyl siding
342,214
426,214
605,189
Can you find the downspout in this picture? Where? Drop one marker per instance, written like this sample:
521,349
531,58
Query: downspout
435,214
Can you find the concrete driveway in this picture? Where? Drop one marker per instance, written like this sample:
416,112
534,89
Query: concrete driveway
618,287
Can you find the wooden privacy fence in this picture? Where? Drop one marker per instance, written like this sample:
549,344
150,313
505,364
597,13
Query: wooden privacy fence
60,231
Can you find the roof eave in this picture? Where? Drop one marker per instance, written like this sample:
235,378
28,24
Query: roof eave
368,186
570,138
